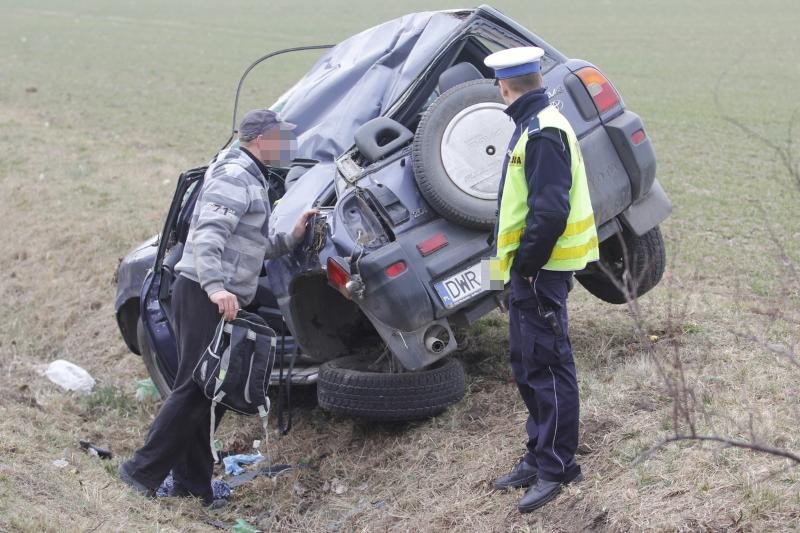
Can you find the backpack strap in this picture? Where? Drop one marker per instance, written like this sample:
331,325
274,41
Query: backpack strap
266,344
218,335
213,425
263,414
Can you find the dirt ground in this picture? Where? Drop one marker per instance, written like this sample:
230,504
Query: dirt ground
103,105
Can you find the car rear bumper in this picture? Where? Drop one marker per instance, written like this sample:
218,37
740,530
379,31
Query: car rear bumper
410,299
635,150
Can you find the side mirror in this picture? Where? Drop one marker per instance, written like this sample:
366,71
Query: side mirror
380,137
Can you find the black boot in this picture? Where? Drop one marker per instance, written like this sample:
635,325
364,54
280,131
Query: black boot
543,492
177,491
125,474
522,475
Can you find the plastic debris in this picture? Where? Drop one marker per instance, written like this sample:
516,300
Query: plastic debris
97,451
146,389
60,463
233,462
219,488
69,376
242,526
338,486
268,471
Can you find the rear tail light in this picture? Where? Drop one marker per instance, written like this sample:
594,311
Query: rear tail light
600,89
338,276
638,137
395,269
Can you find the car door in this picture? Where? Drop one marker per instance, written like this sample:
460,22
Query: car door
157,286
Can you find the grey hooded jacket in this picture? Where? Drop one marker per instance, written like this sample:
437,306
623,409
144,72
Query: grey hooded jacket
228,236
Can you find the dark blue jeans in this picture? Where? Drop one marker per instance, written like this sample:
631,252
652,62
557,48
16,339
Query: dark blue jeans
544,370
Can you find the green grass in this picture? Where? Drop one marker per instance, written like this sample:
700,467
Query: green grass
109,399
103,104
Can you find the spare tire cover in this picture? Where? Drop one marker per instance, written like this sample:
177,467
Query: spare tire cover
458,152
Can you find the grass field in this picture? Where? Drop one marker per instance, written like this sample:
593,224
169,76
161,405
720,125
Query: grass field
103,104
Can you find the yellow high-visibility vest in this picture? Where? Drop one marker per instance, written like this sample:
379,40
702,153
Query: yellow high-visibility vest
577,246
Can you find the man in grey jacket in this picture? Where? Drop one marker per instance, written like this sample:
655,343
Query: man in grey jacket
225,249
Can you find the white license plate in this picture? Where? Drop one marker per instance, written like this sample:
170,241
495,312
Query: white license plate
460,287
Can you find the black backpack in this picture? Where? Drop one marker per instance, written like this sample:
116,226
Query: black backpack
235,369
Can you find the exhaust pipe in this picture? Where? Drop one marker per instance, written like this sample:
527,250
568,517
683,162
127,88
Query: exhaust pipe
434,344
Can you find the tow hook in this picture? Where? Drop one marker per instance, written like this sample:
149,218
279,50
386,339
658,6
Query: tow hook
355,286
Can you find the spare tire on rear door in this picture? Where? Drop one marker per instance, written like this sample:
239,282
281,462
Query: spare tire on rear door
347,386
458,153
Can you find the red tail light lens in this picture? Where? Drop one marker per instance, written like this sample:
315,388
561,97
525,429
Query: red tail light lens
600,89
638,137
431,244
395,269
337,275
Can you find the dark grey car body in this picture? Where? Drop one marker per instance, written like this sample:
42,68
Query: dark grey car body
373,213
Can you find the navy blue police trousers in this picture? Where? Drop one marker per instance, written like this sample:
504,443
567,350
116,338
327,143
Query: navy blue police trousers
544,370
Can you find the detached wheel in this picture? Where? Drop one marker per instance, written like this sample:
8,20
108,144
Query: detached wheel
347,387
647,261
458,153
157,374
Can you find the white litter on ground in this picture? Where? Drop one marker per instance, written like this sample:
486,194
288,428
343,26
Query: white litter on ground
69,376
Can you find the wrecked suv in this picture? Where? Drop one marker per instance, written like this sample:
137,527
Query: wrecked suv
402,135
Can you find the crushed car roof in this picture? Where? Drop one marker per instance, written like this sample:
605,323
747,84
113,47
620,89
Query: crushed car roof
360,78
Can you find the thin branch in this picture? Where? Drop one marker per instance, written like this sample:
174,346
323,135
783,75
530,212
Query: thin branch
754,446
781,351
785,153
685,406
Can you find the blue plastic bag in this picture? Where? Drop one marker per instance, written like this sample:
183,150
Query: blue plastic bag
233,462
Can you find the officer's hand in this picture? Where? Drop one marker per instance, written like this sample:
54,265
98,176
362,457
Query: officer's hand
227,303
299,229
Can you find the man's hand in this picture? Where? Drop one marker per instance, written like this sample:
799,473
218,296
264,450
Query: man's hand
227,303
299,229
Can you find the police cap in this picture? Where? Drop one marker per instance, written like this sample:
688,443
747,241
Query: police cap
515,62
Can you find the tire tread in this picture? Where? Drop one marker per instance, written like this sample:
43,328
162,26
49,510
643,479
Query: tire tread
389,397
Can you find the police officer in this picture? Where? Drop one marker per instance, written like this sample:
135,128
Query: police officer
545,232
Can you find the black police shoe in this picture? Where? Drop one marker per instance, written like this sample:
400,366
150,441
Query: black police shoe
543,492
522,475
126,476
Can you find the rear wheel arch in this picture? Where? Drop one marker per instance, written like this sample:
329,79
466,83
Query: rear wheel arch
646,262
324,323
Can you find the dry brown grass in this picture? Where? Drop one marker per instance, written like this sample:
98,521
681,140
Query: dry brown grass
87,167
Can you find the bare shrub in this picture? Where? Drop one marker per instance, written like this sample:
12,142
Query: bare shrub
691,420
